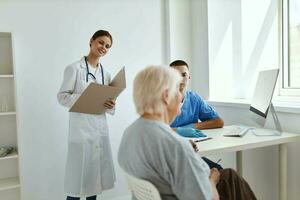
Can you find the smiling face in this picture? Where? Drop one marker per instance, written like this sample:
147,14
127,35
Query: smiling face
100,46
185,74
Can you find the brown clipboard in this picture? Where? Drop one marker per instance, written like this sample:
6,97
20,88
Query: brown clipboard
93,97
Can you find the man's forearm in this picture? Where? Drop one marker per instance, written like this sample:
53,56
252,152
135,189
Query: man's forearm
214,123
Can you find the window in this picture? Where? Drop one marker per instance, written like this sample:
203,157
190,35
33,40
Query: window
291,48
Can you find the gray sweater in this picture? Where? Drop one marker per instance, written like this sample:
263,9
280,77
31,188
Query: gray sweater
152,151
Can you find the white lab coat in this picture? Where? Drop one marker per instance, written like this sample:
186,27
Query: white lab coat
89,168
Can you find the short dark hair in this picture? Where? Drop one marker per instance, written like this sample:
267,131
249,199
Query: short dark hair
176,63
101,33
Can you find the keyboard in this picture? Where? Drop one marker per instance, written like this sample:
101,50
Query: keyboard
236,131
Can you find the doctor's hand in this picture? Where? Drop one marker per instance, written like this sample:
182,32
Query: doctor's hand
109,104
214,175
214,179
189,132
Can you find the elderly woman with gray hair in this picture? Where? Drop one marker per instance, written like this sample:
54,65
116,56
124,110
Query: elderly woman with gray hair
151,150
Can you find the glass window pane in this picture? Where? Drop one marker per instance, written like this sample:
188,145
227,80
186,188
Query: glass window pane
294,44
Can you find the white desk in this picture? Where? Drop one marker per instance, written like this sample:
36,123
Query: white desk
221,144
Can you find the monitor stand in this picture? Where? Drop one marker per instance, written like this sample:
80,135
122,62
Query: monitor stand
276,132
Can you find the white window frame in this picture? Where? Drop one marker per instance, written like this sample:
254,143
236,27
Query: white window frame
285,90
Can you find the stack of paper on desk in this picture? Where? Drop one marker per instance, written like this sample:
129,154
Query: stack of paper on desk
93,97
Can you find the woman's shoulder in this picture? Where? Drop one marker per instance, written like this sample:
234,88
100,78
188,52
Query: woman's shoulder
156,134
142,126
75,65
153,129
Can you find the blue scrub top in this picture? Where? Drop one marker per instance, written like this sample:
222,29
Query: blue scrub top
194,108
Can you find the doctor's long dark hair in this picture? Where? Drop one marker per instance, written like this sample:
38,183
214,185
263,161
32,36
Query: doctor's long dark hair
100,33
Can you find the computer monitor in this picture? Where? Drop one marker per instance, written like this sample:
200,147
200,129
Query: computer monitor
261,103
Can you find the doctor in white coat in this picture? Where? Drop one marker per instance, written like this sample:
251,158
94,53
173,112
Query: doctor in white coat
89,168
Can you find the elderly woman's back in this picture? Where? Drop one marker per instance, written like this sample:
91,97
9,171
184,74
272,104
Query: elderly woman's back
150,150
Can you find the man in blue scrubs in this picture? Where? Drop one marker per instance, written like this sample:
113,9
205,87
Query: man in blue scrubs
195,112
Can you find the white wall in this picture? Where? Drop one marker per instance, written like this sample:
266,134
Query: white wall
180,30
52,34
188,39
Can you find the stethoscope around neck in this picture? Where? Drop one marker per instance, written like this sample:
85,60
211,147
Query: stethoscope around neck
92,75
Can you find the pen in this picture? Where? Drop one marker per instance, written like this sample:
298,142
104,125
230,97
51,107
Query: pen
219,160
204,139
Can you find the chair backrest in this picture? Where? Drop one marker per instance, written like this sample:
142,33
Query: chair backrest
142,189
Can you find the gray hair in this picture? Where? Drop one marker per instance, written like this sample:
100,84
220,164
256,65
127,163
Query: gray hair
149,86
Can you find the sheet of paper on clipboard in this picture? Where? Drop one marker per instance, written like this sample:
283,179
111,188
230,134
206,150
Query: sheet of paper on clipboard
93,97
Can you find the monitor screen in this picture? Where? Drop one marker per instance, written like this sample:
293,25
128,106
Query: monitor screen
263,92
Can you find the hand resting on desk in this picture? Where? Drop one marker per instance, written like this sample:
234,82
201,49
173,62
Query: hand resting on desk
189,132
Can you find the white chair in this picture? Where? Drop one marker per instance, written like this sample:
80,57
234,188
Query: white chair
142,189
